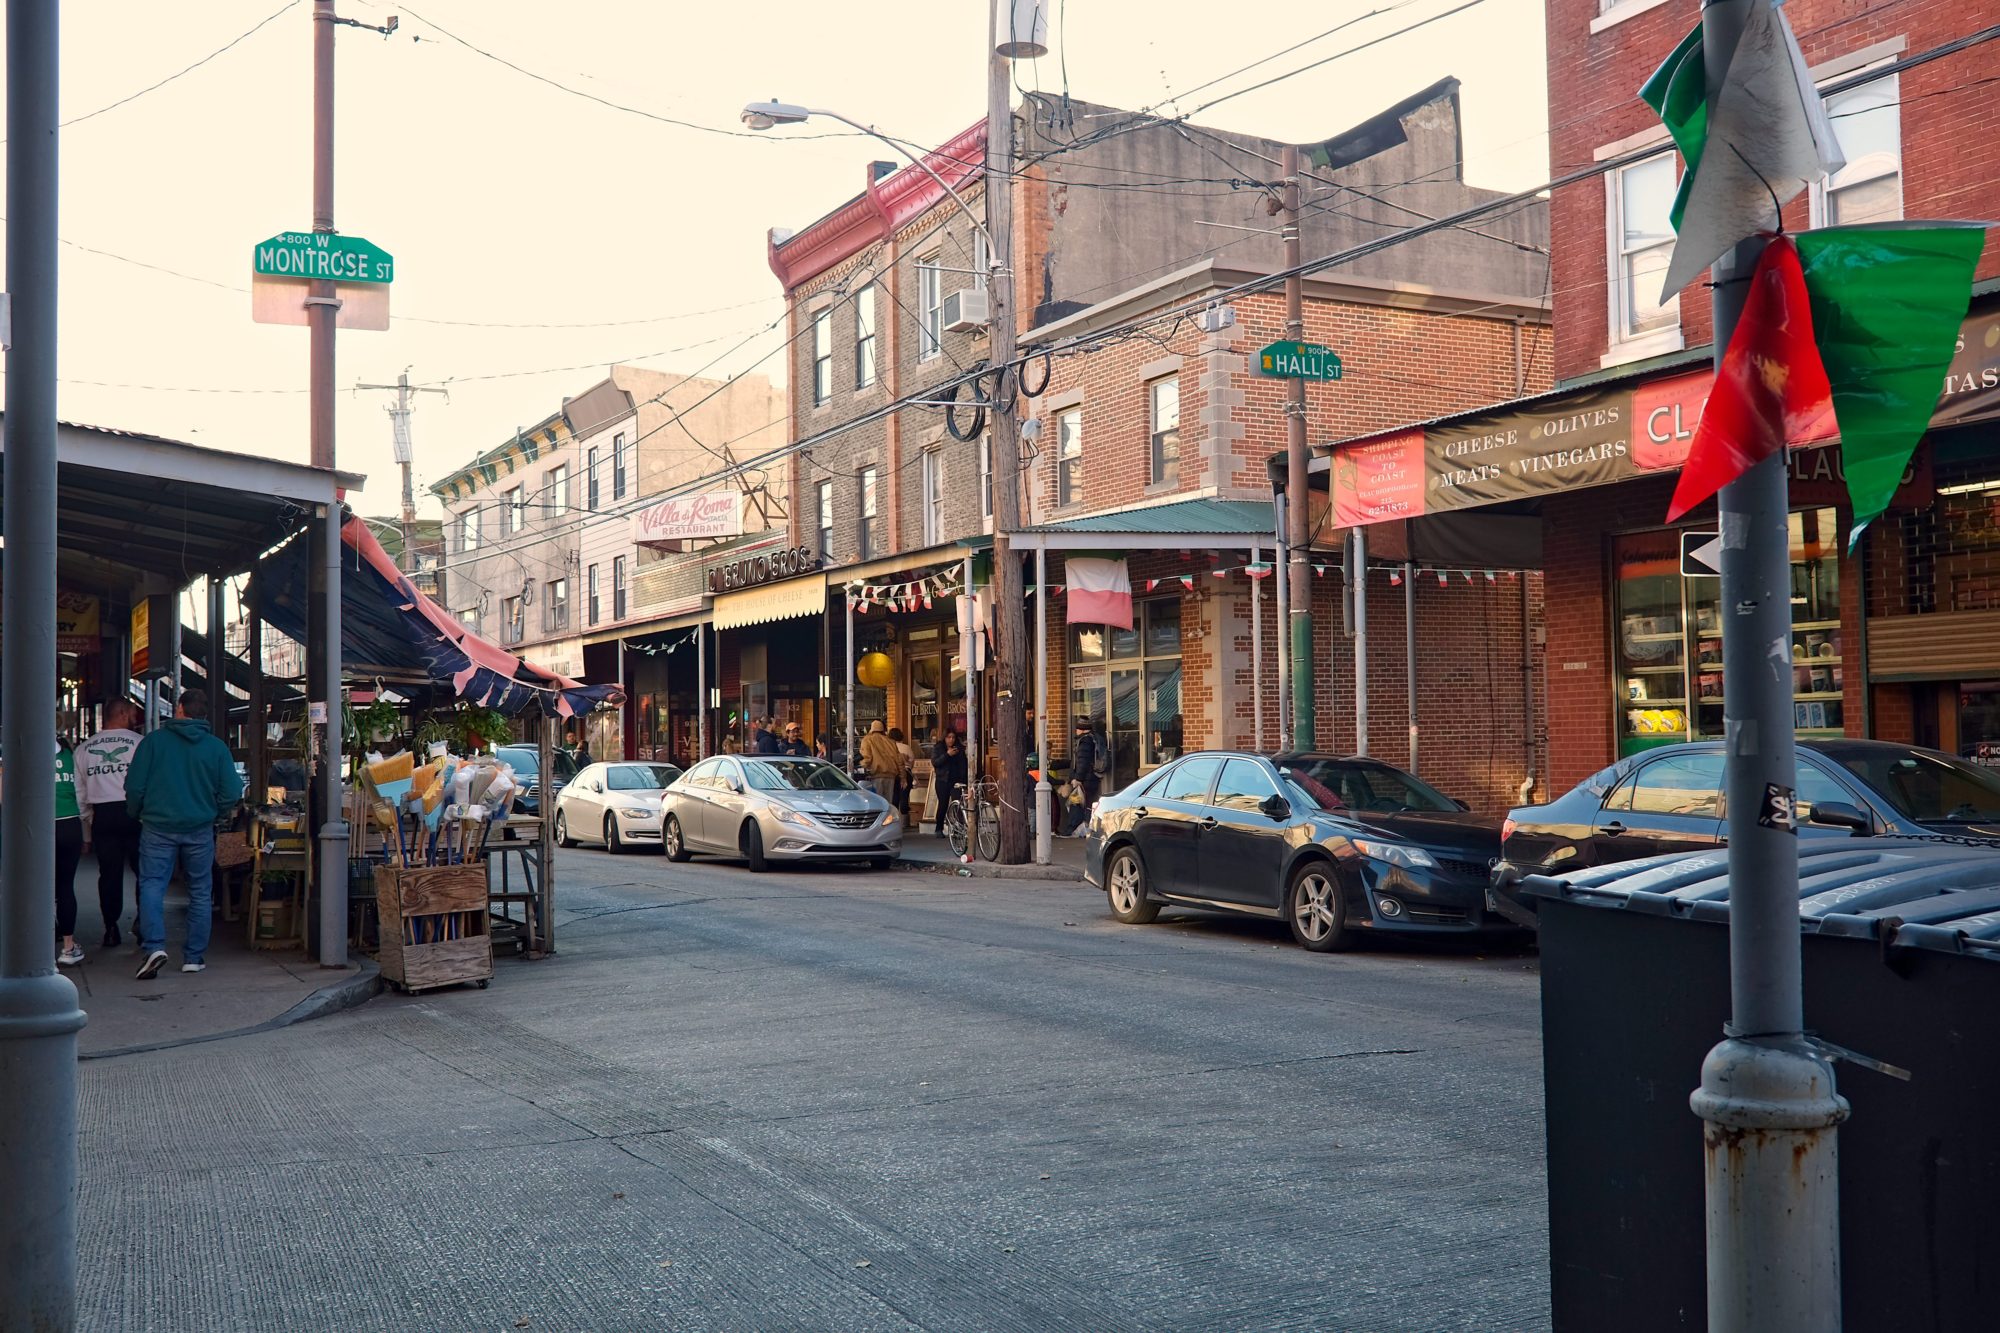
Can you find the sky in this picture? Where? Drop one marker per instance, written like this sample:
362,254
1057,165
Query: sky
540,236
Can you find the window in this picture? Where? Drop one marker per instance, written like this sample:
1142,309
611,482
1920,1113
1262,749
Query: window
618,587
1869,125
590,591
618,466
1816,787
590,481
1128,681
558,492
1689,785
986,474
864,337
1163,397
1244,786
982,260
1642,242
510,620
868,532
513,511
822,356
468,530
469,617
930,308
1069,457
555,605
933,465
826,520
1190,781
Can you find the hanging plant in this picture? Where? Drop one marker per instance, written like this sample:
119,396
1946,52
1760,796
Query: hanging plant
477,727
378,721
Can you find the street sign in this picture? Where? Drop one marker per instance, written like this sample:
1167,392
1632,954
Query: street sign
1299,361
308,254
1701,555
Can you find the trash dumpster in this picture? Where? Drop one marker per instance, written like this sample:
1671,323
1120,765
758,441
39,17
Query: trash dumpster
1901,953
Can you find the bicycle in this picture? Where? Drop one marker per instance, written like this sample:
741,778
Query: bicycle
959,812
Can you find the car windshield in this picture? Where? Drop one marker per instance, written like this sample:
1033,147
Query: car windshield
795,775
1929,788
1363,786
641,777
521,759
1301,793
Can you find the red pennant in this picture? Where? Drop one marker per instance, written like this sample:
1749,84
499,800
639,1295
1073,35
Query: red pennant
1770,388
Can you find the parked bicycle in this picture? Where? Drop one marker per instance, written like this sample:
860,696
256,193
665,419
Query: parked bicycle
960,813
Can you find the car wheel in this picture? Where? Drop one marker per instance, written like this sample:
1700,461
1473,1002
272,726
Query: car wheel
753,846
1315,909
1125,886
562,830
612,843
671,839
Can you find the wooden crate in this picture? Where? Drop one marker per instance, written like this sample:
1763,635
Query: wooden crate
434,926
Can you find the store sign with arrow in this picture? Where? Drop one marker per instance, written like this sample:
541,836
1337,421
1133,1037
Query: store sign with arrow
1701,555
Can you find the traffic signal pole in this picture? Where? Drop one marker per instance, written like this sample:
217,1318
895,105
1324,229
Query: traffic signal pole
1767,1094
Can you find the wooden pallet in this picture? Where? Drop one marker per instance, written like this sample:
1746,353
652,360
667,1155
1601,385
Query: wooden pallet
434,930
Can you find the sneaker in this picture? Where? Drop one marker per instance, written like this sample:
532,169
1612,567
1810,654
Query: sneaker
112,939
149,969
71,956
194,967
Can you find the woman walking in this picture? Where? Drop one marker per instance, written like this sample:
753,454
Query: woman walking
69,851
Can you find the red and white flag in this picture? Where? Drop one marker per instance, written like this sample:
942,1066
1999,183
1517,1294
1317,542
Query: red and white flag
1100,593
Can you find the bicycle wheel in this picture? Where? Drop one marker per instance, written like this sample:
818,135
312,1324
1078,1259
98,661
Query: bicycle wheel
954,829
989,832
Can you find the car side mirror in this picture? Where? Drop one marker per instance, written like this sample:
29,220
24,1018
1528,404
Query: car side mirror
1463,805
1276,807
1839,814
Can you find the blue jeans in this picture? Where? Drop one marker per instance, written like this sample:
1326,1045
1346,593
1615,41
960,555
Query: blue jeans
159,851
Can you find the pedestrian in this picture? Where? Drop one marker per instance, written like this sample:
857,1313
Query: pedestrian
762,741
901,800
111,830
794,742
182,780
947,775
880,759
1087,761
69,851
582,753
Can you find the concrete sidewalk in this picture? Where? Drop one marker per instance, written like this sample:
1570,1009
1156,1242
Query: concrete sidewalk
927,851
242,990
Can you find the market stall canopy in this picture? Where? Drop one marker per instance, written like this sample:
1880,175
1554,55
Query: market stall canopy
388,626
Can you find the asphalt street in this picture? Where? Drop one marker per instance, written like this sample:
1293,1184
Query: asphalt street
831,1099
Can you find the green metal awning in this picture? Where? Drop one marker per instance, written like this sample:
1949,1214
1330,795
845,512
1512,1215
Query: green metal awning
1172,524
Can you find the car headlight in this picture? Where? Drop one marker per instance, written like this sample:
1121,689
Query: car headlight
891,816
638,812
1395,853
787,815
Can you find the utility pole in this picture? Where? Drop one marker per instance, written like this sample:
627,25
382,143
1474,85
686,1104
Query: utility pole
1767,1094
1008,595
1298,510
399,424
322,306
39,1018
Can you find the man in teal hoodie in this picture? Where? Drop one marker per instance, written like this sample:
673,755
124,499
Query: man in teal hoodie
182,780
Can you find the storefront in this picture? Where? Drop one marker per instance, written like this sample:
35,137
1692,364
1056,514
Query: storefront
769,615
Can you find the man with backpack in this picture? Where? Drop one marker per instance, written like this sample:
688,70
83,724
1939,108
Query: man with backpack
1088,761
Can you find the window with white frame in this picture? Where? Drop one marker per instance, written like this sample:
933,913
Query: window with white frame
555,605
826,520
864,336
1642,243
618,587
510,620
1069,457
590,592
469,617
982,260
933,488
1868,122
590,481
868,516
1163,399
513,511
822,356
468,530
558,491
930,308
618,466
986,474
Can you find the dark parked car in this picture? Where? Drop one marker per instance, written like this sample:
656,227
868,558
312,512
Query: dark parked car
1670,799
1332,846
525,761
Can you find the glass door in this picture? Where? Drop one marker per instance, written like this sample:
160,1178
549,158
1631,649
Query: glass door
1652,658
1123,728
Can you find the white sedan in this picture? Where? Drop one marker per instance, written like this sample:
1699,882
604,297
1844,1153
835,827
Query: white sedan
615,804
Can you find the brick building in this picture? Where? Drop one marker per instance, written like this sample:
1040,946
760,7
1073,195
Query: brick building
1900,640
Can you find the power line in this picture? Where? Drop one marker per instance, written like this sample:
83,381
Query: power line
151,87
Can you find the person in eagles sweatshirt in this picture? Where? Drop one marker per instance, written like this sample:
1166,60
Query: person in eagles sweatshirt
182,781
101,763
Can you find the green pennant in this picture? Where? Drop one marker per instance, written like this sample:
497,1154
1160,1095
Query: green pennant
1887,303
1678,94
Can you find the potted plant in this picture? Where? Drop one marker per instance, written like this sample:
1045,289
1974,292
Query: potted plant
478,727
379,721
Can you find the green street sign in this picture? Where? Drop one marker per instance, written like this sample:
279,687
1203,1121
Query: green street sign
307,254
1299,361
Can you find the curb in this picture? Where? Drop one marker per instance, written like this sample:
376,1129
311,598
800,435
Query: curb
347,993
987,870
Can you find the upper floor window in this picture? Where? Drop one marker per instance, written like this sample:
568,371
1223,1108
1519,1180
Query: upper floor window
590,481
1163,397
468,530
558,491
982,260
1869,124
555,605
513,511
930,308
1069,457
986,474
469,617
1642,243
618,452
510,620
822,356
864,336
590,592
933,482
868,517
618,587
826,520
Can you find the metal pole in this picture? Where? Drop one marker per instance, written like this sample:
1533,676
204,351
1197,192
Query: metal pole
333,834
1770,1143
217,665
701,689
39,1018
1410,652
254,733
1299,510
969,649
1045,832
847,713
1358,594
1257,650
1282,622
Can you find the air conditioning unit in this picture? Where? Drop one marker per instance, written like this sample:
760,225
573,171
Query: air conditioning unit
965,310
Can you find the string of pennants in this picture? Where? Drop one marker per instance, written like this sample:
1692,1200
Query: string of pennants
909,595
1264,568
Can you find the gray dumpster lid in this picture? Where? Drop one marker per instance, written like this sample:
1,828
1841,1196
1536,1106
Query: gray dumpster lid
1915,892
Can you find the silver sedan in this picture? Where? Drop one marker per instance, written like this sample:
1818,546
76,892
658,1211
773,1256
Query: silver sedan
773,808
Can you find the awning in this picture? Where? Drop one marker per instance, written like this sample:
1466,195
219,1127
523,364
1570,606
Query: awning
774,601
387,624
1181,523
640,629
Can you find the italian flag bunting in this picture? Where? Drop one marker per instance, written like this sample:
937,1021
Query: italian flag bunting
1678,94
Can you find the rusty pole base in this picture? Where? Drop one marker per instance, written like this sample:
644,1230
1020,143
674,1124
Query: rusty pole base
1772,1154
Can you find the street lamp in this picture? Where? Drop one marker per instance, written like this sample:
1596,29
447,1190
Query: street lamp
766,115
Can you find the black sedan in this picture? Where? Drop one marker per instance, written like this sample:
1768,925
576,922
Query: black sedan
1332,846
1670,799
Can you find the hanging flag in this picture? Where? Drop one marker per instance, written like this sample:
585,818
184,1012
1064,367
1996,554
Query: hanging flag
1489,576
1218,573
1395,578
1187,582
1100,592
1319,571
1887,305
1678,94
1260,569
1766,135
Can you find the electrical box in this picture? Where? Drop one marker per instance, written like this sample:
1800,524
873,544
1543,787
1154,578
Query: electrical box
965,310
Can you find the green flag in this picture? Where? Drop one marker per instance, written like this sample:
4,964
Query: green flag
1887,303
1678,94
